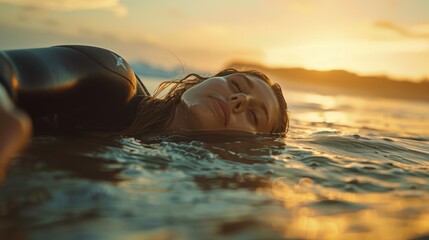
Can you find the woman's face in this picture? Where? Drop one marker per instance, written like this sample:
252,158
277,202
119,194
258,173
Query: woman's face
240,102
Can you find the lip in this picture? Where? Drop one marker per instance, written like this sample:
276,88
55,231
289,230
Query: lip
221,109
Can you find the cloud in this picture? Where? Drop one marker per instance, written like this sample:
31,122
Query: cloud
132,49
71,5
412,32
176,13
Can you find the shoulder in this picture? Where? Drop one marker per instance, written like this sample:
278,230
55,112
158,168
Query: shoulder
108,60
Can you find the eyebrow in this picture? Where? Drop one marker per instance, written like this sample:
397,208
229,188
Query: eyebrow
248,81
264,108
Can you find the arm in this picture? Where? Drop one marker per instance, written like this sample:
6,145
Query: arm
15,131
85,86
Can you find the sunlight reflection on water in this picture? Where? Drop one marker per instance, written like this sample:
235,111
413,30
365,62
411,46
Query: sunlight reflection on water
350,168
402,116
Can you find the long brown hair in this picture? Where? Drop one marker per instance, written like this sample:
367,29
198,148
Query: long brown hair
155,112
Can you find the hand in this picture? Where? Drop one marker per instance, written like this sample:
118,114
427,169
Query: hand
15,131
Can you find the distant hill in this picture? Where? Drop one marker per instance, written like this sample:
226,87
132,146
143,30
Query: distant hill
343,82
148,70
145,69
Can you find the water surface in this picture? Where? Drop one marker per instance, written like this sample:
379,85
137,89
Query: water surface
350,168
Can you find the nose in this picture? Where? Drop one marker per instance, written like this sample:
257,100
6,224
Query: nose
239,102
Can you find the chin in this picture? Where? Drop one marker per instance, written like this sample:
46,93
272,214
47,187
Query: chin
204,123
201,119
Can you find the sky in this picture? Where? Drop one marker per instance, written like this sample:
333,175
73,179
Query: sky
383,37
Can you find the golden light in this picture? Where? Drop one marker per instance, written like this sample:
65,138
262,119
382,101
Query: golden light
374,215
356,55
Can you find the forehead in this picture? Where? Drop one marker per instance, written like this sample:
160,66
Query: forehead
263,94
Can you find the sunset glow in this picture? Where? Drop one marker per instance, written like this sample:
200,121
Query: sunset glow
384,37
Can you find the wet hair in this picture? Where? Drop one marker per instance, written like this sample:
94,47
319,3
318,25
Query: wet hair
155,112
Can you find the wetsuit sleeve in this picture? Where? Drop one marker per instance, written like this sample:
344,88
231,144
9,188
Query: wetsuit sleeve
87,87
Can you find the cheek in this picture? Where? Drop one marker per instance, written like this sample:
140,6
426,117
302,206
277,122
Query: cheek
192,97
200,110
200,116
187,99
240,122
201,91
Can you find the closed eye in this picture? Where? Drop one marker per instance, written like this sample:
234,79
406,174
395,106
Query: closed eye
236,86
254,118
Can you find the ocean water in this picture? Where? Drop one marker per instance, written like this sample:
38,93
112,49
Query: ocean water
349,168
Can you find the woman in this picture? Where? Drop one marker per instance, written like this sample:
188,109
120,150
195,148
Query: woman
89,89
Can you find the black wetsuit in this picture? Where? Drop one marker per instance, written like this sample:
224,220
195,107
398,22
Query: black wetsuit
72,87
